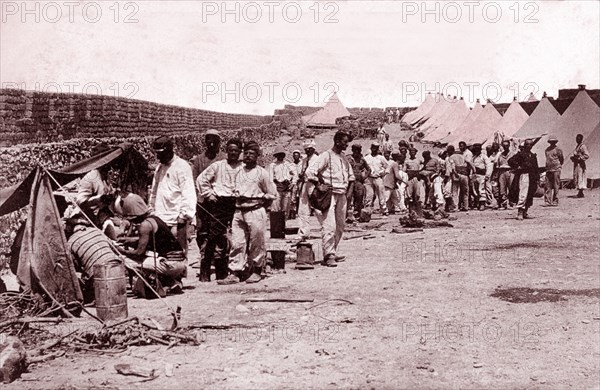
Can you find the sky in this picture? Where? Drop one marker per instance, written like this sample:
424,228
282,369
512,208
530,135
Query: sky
255,57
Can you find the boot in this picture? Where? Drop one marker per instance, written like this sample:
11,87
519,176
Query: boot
221,269
580,194
520,215
525,215
204,270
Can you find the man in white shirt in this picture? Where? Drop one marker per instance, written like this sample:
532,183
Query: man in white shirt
254,191
282,174
297,165
305,188
332,170
374,183
173,196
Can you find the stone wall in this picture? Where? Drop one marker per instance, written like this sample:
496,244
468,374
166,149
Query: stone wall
30,117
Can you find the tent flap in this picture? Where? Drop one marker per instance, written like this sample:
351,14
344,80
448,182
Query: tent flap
45,264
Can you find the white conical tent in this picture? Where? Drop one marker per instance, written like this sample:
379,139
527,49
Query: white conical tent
540,121
484,126
326,116
461,130
437,110
514,117
582,117
449,122
439,117
437,100
424,108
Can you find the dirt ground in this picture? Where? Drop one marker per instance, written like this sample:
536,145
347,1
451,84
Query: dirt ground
490,303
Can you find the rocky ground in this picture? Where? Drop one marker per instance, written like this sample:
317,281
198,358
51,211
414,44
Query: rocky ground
489,303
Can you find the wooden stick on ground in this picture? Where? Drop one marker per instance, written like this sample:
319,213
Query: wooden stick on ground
358,236
223,326
62,308
329,300
28,320
43,358
291,300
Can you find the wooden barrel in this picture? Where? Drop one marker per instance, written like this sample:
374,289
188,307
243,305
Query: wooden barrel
110,290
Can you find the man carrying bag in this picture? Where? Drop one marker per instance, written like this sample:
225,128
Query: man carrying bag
331,175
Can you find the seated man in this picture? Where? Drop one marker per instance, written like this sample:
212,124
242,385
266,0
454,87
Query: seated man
153,246
95,192
89,247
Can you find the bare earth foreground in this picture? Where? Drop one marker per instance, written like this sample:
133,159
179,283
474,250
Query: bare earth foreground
422,314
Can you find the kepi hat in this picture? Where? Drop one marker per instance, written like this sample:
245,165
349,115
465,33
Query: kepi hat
279,150
309,143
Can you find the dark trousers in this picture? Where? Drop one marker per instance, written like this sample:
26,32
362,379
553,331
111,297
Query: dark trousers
356,196
216,218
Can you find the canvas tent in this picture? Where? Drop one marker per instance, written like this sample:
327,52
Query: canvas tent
416,115
483,127
514,117
582,117
326,116
44,263
464,126
437,100
435,122
432,119
451,119
540,120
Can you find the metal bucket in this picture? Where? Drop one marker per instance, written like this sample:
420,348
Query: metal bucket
110,290
304,254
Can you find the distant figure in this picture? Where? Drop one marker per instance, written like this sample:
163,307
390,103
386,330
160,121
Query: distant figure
381,134
580,155
374,183
394,178
554,162
458,171
356,191
297,165
483,173
504,174
387,145
283,175
415,189
431,167
305,188
524,186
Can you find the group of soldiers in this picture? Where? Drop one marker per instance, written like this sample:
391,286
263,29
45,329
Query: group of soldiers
229,199
458,180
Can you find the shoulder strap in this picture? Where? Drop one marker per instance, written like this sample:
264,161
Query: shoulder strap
330,171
